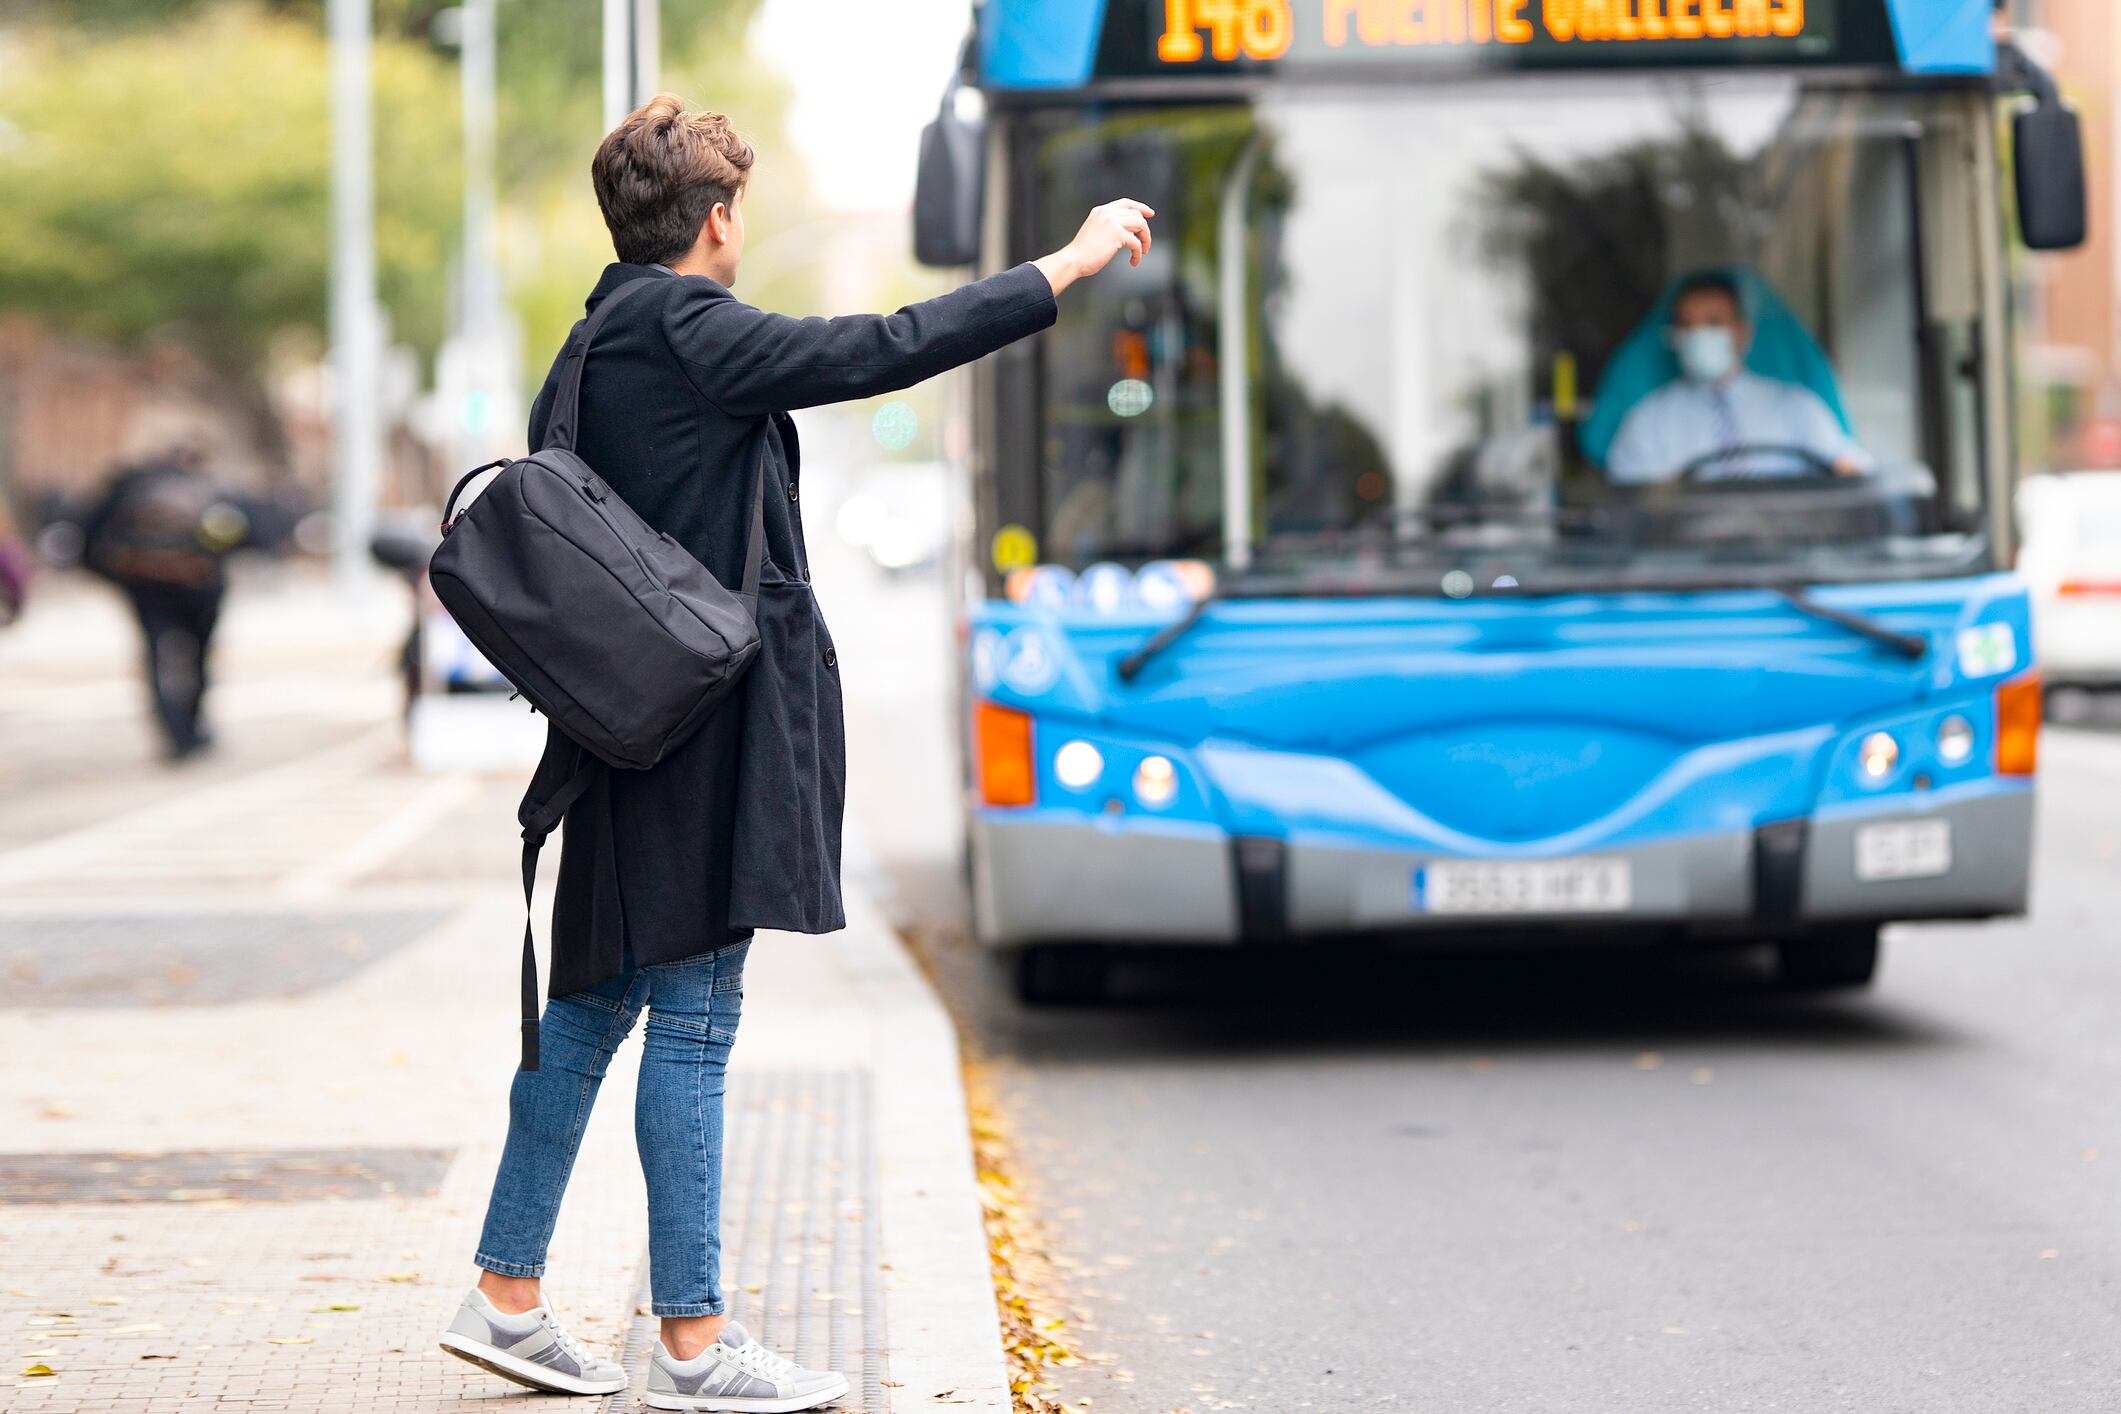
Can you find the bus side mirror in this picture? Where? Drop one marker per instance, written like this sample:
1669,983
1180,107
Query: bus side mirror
947,190
2047,152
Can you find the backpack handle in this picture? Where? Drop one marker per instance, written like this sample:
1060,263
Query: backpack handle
449,507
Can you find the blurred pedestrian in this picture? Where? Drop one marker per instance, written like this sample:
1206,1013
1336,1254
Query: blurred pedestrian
666,871
162,534
14,569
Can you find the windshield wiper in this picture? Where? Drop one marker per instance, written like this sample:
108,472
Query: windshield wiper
1912,646
1131,665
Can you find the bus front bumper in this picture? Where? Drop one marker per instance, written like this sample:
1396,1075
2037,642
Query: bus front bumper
1054,877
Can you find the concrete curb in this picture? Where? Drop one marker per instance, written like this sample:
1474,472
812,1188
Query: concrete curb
944,1333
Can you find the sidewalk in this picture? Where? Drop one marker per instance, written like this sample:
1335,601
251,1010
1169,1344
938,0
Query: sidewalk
253,1077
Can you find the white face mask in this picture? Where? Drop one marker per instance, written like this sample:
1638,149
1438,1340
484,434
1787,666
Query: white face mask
1706,354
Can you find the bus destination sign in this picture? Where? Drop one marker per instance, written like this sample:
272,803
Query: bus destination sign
1198,34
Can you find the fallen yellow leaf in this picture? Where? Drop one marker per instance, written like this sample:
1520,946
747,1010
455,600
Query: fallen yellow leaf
292,1340
38,1370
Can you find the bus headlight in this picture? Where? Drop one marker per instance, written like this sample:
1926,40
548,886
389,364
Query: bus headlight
1955,740
1878,755
1078,765
1155,781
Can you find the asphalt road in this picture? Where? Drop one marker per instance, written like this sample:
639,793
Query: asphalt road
1589,1181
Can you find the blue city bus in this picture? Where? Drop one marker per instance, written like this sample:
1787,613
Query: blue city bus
1367,563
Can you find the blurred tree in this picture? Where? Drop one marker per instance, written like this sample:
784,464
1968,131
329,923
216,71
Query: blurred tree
165,165
175,181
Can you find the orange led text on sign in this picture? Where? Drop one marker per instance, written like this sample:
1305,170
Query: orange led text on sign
1673,19
1377,23
1263,29
1258,29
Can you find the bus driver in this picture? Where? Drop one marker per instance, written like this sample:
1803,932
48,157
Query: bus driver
1719,418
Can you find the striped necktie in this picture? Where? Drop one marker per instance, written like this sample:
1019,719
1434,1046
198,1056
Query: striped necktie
1726,431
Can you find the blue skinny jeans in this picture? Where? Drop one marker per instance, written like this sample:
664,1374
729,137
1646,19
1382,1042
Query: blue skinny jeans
692,1008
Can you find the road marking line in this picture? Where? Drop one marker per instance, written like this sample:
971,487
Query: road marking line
193,815
376,848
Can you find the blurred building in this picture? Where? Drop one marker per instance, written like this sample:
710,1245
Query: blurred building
2070,357
72,410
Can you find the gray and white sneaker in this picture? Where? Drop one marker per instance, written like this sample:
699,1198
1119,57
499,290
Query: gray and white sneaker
738,1374
531,1349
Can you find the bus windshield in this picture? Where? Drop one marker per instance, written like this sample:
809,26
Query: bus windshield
1520,332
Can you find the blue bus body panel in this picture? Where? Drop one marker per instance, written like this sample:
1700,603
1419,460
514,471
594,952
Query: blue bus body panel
1032,44
1510,728
1944,36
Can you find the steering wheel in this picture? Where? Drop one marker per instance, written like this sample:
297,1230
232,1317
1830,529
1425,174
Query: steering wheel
1815,467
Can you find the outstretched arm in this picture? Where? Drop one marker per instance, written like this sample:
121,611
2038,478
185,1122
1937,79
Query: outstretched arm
749,362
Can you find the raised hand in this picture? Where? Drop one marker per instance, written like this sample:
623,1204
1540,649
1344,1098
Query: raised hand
1106,231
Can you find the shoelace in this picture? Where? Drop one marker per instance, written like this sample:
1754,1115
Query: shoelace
760,1361
565,1340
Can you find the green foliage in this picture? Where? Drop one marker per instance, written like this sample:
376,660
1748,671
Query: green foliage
175,180
165,164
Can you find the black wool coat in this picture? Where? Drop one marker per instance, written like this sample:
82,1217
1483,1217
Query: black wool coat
685,398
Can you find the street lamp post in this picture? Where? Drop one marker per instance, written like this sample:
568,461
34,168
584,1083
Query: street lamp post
487,361
356,333
632,48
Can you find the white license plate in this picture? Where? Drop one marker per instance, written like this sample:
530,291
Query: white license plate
1904,849
1524,886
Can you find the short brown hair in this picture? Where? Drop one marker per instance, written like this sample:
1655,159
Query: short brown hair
660,172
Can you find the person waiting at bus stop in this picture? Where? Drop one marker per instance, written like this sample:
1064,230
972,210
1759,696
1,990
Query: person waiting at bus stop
1718,418
666,871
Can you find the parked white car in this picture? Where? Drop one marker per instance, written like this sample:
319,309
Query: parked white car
898,513
2071,558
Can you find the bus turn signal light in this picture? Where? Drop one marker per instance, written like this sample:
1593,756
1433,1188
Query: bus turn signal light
1001,740
2018,727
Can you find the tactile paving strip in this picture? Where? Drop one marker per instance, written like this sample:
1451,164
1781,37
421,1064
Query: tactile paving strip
800,1253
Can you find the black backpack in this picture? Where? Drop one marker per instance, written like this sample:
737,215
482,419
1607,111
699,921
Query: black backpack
609,627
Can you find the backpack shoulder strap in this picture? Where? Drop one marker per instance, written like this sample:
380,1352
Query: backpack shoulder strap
755,543
538,823
564,421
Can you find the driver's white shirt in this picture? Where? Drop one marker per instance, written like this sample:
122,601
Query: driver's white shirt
1680,422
